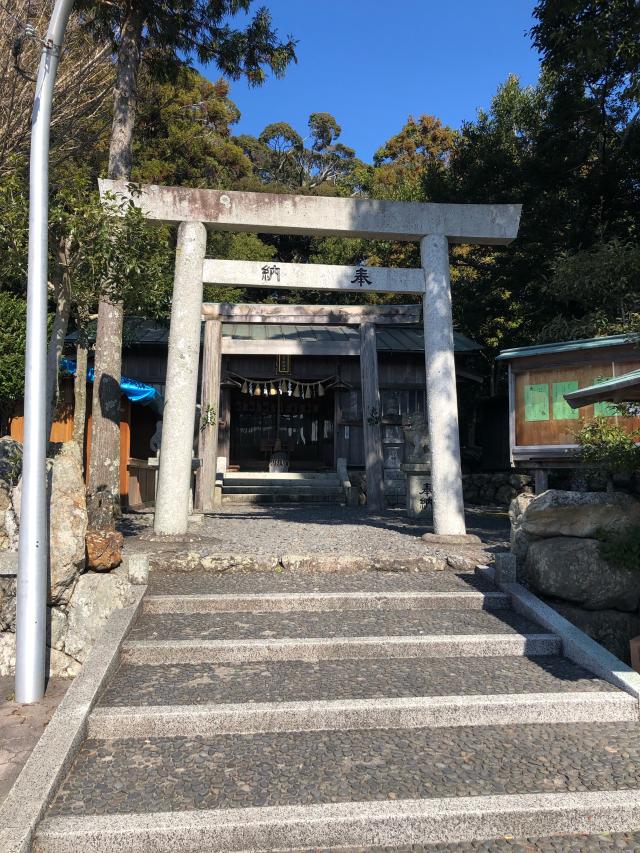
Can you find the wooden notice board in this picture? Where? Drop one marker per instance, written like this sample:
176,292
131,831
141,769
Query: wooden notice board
542,415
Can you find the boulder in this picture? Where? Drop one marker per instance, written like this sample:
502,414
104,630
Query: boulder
67,521
7,604
208,558
12,519
519,539
7,654
10,470
610,628
62,665
59,664
571,568
94,597
56,628
10,460
104,549
560,513
461,563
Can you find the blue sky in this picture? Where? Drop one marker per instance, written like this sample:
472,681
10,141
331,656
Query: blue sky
372,63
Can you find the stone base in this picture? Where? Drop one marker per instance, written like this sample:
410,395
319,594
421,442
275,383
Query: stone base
418,480
451,539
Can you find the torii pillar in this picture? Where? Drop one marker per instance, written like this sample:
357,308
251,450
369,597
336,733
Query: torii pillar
176,450
442,398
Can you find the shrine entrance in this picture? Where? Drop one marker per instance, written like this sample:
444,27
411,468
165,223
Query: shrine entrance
434,226
299,430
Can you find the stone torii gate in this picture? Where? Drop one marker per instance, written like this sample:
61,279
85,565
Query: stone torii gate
366,317
434,225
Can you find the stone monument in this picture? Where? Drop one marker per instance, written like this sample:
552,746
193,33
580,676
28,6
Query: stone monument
417,464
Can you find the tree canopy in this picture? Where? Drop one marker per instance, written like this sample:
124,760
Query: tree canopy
568,148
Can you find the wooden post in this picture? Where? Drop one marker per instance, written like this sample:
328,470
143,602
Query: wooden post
210,414
371,417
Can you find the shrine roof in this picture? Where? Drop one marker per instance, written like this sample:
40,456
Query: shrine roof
343,340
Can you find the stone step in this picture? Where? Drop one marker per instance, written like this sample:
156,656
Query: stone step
259,487
284,497
285,476
295,624
284,482
434,711
267,582
401,785
325,601
339,648
591,822
324,680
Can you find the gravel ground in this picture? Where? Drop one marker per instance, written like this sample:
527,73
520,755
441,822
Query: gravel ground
231,771
291,681
208,583
319,530
340,623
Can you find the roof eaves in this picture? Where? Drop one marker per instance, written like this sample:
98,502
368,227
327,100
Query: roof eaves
565,346
602,391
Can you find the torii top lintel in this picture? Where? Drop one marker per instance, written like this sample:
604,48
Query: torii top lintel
270,213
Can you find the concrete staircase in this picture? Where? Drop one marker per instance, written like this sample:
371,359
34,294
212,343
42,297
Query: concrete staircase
240,487
367,711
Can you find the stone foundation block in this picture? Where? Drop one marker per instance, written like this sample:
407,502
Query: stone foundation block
138,568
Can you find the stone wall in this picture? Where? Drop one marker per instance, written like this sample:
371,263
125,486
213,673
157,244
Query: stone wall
495,488
486,488
592,480
553,536
79,601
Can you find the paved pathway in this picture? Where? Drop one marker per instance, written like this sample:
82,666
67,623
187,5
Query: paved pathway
21,726
359,711
321,531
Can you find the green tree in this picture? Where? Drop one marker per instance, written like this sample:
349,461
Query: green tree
13,331
548,151
166,37
420,152
600,288
593,46
183,133
609,447
287,162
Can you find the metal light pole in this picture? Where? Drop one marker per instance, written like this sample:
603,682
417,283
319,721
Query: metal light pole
31,602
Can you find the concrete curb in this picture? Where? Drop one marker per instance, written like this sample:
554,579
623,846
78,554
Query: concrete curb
324,601
576,645
55,751
340,825
438,711
337,648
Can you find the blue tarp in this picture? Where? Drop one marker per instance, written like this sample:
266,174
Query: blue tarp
137,392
